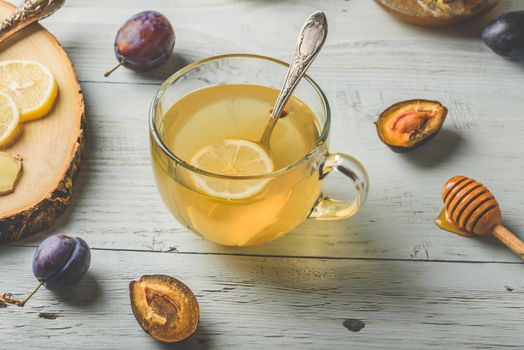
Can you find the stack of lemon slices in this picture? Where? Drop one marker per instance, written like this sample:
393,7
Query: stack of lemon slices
28,91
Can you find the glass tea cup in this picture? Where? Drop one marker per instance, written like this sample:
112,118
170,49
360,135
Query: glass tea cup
289,194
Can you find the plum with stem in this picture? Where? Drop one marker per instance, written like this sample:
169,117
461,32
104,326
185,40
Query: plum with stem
59,263
144,42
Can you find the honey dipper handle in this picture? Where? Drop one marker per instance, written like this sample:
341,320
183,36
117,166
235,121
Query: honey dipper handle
509,239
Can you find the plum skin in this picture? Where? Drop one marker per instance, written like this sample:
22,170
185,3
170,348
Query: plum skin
60,261
505,35
145,41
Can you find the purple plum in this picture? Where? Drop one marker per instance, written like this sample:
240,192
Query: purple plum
60,261
144,42
505,35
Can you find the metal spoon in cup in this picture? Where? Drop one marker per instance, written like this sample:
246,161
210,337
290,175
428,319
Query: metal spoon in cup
310,41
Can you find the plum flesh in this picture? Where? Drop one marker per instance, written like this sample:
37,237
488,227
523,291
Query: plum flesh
408,124
164,307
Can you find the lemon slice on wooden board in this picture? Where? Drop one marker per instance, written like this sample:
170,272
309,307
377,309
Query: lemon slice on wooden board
9,118
10,170
31,85
233,158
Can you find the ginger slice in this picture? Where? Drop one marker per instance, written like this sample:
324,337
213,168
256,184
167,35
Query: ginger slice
10,171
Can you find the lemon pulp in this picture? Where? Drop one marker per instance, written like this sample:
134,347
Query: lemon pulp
31,85
9,118
232,157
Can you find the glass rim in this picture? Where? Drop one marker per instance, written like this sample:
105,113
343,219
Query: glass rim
180,73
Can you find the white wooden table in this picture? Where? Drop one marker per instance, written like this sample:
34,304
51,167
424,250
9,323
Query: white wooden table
411,284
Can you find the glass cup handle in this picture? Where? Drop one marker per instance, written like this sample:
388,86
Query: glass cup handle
327,208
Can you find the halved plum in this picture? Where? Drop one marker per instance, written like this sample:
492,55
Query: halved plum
408,124
165,308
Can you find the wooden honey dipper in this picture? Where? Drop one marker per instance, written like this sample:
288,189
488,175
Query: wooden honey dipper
471,207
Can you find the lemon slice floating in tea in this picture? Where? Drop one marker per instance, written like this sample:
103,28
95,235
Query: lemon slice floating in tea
31,85
233,158
8,118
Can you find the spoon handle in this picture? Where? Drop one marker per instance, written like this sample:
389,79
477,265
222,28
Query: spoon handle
28,12
310,40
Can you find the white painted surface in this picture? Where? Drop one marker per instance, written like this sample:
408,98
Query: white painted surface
264,303
298,299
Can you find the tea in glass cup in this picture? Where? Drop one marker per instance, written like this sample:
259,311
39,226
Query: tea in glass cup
216,178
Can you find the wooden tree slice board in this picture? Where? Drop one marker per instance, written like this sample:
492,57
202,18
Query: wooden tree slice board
51,147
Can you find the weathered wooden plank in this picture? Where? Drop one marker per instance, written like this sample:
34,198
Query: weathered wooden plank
363,68
117,206
253,303
366,48
369,62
